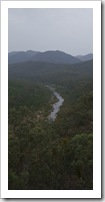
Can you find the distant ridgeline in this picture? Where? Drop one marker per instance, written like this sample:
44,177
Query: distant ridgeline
48,56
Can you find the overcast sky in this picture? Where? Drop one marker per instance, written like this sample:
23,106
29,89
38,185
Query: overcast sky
68,30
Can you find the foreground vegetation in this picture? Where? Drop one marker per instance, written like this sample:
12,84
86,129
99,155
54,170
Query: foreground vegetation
56,155
50,155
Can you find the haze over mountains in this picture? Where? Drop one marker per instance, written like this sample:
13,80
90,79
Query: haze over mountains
85,57
56,57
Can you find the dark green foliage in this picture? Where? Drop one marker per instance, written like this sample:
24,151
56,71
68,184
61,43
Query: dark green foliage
57,155
60,74
27,94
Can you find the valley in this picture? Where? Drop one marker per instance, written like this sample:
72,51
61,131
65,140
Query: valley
45,154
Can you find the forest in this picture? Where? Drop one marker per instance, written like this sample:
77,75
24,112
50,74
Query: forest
45,155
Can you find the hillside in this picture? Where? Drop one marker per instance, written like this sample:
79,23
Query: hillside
48,72
44,155
55,57
85,57
50,156
48,56
20,56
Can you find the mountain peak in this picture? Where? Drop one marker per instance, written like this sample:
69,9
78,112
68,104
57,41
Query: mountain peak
51,56
86,57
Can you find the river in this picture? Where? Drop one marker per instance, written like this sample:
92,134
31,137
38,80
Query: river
56,106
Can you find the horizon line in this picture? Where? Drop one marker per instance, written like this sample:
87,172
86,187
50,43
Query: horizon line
49,50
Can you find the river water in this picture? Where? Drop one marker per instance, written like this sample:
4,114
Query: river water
56,106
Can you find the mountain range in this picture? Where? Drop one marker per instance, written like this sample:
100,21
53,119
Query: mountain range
56,57
85,57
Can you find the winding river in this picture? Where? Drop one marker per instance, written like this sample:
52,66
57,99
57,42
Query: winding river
56,106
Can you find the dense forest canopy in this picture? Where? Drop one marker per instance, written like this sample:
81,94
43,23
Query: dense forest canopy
55,155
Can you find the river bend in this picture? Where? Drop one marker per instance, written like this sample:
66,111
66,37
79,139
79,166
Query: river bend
56,106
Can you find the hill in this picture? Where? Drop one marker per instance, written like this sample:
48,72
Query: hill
85,57
55,57
20,56
48,56
49,72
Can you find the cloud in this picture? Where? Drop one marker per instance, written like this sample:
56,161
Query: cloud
69,30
